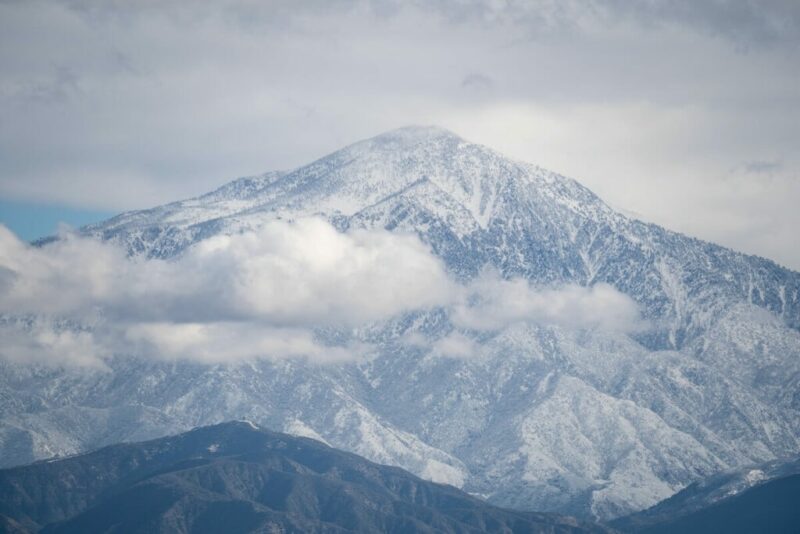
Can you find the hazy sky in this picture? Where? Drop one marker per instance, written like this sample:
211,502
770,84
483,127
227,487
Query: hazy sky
686,113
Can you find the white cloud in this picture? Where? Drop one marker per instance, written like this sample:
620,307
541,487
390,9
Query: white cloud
69,276
307,273
454,345
261,294
45,343
255,294
493,304
225,342
290,274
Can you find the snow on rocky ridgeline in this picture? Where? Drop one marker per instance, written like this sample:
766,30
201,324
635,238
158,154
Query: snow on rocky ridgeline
477,207
593,423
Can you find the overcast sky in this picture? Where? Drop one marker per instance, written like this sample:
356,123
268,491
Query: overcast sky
684,113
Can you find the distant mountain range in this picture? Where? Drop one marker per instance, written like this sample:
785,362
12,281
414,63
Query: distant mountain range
582,421
235,478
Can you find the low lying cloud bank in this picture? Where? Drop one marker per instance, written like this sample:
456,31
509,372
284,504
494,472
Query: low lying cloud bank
45,342
453,345
259,294
287,274
216,342
493,303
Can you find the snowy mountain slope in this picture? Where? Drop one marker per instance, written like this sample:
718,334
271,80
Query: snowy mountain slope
523,219
488,412
588,422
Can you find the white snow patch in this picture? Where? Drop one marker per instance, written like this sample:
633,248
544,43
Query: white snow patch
299,428
755,476
442,473
250,423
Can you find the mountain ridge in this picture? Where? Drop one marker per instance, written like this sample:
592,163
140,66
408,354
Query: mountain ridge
239,478
255,182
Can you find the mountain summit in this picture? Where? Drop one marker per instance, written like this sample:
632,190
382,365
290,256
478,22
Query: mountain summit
431,167
587,421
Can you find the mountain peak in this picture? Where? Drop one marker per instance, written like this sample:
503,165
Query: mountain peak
408,137
415,132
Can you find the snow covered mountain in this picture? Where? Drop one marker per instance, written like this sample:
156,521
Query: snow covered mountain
587,422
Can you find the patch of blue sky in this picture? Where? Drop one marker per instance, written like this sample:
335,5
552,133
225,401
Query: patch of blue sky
31,221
